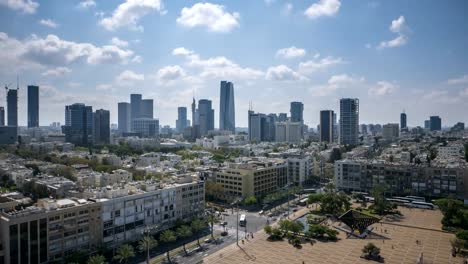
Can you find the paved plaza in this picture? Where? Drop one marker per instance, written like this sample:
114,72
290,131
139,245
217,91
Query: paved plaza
395,237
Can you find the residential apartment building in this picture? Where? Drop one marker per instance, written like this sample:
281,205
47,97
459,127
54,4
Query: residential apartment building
299,169
252,178
438,180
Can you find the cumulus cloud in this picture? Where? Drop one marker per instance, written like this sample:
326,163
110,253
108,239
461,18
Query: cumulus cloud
51,50
461,80
128,77
24,6
48,23
399,27
119,43
323,8
129,13
216,67
283,73
315,65
58,71
464,92
208,15
170,74
383,88
87,4
291,52
336,82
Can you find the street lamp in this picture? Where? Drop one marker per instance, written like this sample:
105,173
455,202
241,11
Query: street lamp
237,222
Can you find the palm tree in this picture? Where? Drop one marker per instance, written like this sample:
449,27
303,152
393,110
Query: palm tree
184,232
146,244
197,226
168,237
124,253
96,259
212,219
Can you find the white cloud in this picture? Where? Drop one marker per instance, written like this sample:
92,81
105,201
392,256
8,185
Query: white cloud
336,82
86,4
24,6
311,66
208,15
129,13
59,71
137,59
461,80
323,8
52,50
464,92
291,52
283,73
383,88
128,77
398,26
48,23
104,87
217,67
169,74
119,43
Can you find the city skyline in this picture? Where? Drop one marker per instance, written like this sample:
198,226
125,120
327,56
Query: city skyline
102,60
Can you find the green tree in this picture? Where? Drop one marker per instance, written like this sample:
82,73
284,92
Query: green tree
197,226
184,232
251,200
168,237
124,253
334,203
146,244
268,229
96,259
314,198
381,204
371,251
212,219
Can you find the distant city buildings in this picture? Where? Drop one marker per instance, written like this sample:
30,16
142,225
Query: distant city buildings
297,112
349,121
227,115
146,127
124,117
182,122
101,129
205,117
78,128
282,117
33,106
327,126
435,123
390,132
261,127
2,116
403,124
290,132
12,107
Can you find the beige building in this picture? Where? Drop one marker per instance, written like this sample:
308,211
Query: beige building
49,231
253,178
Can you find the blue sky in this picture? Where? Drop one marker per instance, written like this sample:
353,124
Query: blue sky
392,55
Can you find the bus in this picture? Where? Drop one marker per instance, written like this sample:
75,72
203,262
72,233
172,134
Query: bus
242,220
303,202
398,201
416,198
422,205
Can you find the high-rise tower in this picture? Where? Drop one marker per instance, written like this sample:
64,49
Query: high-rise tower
226,107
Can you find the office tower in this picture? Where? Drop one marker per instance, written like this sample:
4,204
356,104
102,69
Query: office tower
435,123
2,116
79,122
12,107
282,117
349,121
326,125
135,102
390,132
146,108
460,126
101,131
181,122
427,124
290,132
205,115
255,126
403,121
33,106
194,113
297,110
146,127
269,127
124,117
227,119
363,129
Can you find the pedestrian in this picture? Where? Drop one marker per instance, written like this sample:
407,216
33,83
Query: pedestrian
242,241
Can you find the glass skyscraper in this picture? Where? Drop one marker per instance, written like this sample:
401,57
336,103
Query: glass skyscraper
12,107
33,106
227,116
181,122
326,125
297,111
403,124
349,121
205,114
